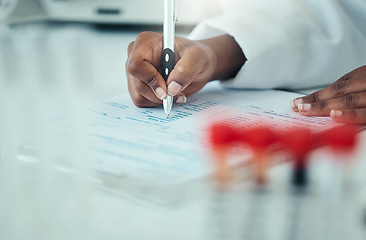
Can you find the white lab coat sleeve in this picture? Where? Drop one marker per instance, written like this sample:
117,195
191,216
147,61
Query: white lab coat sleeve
293,44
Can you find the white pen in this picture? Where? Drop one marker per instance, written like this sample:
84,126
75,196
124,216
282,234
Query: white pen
168,57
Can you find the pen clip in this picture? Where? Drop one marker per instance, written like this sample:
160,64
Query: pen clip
176,10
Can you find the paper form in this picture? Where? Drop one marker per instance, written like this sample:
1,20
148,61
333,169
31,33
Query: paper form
143,144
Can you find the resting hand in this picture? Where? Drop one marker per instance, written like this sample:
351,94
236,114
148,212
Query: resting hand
344,100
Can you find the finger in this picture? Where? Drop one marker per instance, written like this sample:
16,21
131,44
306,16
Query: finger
351,82
147,73
337,89
138,88
179,99
130,47
142,102
148,46
323,108
357,73
186,70
145,97
139,65
193,88
146,92
351,116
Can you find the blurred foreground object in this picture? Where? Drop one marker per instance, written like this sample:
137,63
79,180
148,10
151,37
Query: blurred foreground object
307,194
299,142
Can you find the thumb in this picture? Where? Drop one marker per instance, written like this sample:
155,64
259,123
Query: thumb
186,70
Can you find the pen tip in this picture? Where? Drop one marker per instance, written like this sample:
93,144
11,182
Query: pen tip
167,116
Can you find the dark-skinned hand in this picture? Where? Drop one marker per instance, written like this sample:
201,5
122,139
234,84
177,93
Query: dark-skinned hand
197,63
344,100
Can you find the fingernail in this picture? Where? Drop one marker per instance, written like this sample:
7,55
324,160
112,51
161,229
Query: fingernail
174,88
336,113
295,103
304,107
181,99
292,104
161,93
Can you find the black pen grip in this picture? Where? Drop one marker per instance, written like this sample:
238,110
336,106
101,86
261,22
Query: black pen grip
168,63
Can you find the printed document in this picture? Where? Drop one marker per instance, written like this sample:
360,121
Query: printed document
143,144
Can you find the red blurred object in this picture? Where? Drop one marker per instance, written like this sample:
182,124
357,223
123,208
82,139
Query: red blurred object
222,135
299,142
342,138
259,138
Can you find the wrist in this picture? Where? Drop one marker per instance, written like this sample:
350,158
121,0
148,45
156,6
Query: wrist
227,56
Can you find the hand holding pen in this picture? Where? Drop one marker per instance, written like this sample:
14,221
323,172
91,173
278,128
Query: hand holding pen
197,63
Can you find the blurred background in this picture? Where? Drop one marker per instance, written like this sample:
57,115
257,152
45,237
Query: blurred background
108,11
101,30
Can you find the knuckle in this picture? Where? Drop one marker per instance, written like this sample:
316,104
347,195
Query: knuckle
323,105
140,101
143,35
350,100
363,114
340,87
130,46
347,76
315,96
146,35
152,82
185,72
139,87
353,115
133,67
199,51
